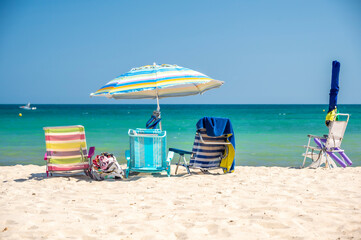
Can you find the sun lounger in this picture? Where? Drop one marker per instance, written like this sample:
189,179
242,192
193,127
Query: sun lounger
66,149
328,146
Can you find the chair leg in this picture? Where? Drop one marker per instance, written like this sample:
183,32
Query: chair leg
327,165
127,173
186,165
304,160
316,163
331,163
47,170
176,169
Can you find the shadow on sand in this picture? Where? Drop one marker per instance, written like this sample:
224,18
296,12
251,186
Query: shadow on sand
42,176
133,176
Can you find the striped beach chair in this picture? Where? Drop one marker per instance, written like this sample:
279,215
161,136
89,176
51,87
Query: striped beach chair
66,149
207,152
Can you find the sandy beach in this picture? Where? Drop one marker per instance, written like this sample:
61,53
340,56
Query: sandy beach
252,203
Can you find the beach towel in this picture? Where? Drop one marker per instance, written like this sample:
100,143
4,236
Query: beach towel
216,127
154,120
105,166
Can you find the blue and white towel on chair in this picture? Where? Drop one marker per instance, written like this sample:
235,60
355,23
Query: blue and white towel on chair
215,130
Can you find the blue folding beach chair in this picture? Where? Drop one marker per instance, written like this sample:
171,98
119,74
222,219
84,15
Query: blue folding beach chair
214,146
147,151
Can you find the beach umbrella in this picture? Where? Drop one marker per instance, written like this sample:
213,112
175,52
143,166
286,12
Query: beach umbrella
332,107
334,86
157,81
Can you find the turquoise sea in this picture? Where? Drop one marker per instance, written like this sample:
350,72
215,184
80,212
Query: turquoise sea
266,135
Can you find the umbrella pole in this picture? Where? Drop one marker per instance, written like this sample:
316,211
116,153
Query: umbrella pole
158,109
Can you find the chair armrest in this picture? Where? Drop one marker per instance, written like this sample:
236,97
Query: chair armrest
314,136
170,157
344,114
127,157
91,152
179,151
312,148
127,154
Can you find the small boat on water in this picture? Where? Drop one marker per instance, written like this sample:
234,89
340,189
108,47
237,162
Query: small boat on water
27,107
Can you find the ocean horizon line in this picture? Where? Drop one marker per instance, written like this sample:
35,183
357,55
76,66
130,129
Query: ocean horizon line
163,104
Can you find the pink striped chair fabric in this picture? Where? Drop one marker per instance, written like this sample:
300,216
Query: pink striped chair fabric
66,149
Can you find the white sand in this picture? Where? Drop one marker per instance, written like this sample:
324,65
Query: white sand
252,203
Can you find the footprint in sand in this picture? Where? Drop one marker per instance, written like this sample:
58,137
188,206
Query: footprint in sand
89,238
88,217
11,222
273,225
212,228
33,227
188,224
181,235
178,202
148,237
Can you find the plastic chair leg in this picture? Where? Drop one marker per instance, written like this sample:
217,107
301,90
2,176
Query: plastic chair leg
176,170
186,165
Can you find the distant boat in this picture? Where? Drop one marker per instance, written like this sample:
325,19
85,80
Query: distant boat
27,107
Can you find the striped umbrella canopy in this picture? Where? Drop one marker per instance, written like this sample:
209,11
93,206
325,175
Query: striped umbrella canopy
157,81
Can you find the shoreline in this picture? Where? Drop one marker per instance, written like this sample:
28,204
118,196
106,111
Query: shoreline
252,203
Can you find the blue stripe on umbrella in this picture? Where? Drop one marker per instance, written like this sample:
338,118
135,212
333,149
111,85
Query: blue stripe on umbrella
149,71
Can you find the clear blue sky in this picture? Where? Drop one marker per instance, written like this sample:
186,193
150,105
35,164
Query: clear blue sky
265,51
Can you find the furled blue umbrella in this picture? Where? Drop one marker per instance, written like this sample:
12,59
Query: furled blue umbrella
332,107
334,85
